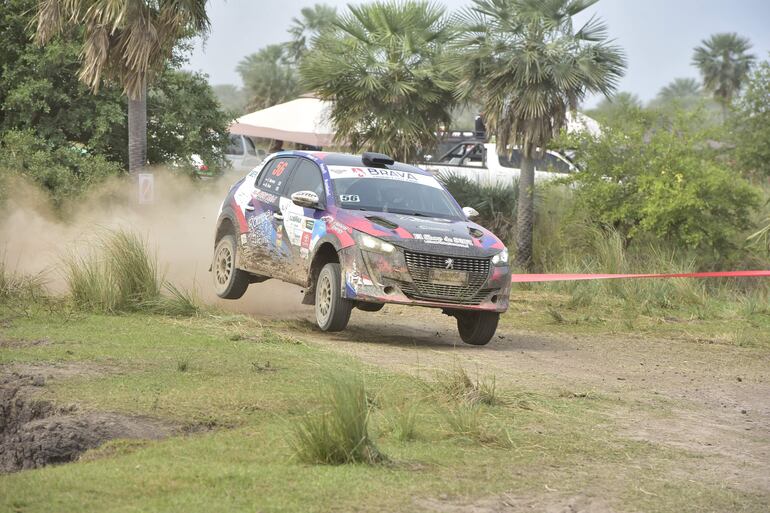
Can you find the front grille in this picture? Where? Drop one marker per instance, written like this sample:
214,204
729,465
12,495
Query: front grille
420,264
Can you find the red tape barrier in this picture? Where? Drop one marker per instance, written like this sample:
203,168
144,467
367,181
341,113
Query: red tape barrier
531,278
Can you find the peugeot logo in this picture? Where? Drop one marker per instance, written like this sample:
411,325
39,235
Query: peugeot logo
450,263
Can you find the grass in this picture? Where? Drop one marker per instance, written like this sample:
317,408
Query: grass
120,274
458,385
340,432
18,287
240,454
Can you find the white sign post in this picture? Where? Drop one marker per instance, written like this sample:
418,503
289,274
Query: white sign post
146,188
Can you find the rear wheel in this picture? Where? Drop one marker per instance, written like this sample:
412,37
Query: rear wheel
477,328
332,311
229,281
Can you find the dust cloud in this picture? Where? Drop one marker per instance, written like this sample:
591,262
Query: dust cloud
179,227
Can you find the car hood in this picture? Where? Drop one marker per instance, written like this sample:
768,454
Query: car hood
425,234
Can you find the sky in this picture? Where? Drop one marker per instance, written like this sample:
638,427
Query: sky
658,36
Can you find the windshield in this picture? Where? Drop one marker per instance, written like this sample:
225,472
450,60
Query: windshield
399,192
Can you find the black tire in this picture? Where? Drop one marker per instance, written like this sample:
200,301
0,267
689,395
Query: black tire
229,281
477,328
332,311
369,307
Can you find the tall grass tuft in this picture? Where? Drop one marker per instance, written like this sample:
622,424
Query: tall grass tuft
404,422
177,303
340,433
133,267
17,287
458,385
120,274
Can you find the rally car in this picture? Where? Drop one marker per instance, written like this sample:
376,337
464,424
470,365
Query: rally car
359,231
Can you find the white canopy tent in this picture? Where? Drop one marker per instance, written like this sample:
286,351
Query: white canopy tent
304,120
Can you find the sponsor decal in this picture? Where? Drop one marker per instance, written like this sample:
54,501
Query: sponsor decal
305,240
337,172
263,196
392,173
260,228
335,226
446,240
309,223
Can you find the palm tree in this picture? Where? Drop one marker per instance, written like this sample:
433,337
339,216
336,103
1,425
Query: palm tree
313,20
268,79
681,93
384,68
616,109
724,64
528,66
126,41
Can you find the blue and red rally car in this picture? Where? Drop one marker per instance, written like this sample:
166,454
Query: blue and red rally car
359,232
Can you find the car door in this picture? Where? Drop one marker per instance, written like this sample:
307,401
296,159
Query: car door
302,226
266,251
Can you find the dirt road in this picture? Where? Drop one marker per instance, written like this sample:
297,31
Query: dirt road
711,400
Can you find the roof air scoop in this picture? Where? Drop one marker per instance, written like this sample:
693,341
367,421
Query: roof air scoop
376,159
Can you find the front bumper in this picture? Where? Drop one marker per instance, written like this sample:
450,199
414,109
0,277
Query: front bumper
403,277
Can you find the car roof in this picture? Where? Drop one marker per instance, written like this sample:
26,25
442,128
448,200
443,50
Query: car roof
347,159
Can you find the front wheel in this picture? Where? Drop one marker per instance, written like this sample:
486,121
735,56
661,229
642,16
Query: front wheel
332,311
229,281
477,328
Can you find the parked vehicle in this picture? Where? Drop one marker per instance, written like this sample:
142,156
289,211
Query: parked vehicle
359,231
241,153
480,162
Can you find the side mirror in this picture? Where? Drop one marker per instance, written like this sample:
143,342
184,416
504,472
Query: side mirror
470,212
307,199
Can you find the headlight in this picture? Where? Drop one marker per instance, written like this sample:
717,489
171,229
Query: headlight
501,258
374,244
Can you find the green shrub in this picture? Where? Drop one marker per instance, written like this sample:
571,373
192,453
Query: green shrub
63,171
663,183
340,433
496,204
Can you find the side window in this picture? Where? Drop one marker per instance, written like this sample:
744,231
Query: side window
235,147
306,177
275,173
555,164
250,149
513,161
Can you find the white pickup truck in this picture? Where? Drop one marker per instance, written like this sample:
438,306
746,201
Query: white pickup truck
479,162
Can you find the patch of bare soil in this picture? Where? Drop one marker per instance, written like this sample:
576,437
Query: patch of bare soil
13,344
512,504
35,432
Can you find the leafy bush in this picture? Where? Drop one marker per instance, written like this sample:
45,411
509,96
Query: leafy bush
496,204
62,171
340,434
663,183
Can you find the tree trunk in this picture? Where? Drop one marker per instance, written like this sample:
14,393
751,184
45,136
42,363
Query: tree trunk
137,132
525,216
